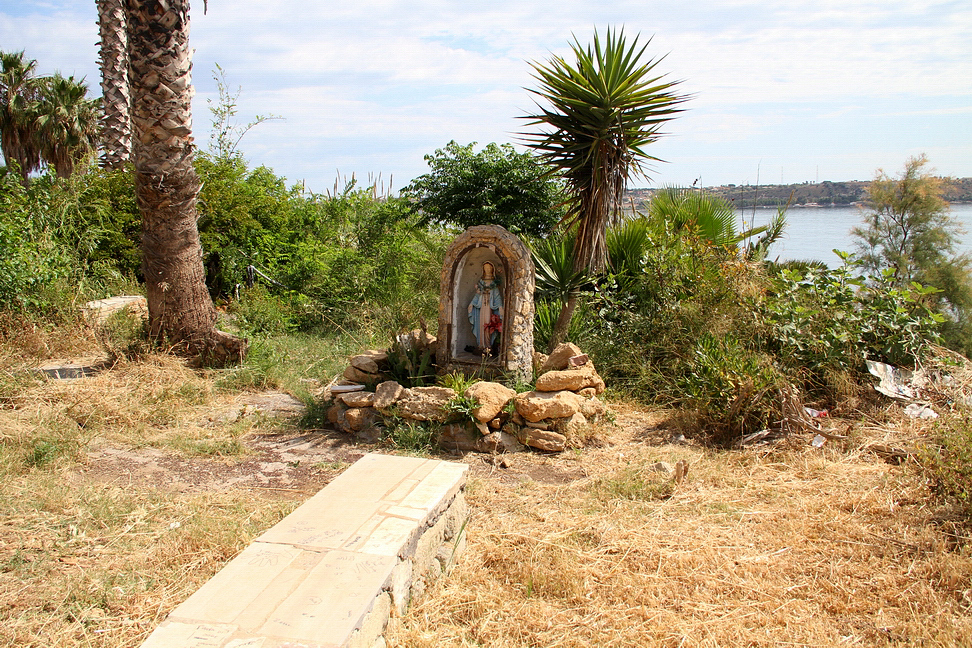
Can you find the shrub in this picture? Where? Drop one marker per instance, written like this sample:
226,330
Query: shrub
494,186
826,321
947,462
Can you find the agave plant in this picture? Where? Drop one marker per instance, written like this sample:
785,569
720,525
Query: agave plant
596,117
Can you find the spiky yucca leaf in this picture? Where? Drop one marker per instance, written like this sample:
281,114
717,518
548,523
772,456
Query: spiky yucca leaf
601,113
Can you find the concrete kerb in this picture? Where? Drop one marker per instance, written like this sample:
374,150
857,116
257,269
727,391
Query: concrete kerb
332,573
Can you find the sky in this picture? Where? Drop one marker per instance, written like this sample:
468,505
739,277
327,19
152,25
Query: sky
783,91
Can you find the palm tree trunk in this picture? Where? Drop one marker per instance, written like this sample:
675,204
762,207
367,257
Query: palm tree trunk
116,134
562,325
166,183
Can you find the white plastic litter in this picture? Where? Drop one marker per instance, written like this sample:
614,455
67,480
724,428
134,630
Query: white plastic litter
920,411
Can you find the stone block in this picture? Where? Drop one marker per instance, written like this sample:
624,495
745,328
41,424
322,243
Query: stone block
560,357
570,380
491,398
356,375
357,399
536,405
364,363
401,585
331,572
387,394
543,439
360,418
426,403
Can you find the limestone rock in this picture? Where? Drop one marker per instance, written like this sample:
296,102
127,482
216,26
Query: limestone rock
380,357
426,403
364,363
539,425
357,399
332,413
535,406
492,398
560,356
355,374
542,439
663,467
571,380
359,418
592,408
575,425
538,361
459,437
387,394
100,310
341,422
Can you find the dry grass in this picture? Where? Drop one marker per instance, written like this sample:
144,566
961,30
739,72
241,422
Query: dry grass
769,546
100,565
792,546
89,563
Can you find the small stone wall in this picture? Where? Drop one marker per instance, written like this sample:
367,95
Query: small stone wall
563,404
332,573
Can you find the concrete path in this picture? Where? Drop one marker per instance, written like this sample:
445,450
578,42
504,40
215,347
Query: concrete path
330,573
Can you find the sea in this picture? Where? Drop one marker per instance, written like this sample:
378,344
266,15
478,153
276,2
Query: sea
814,232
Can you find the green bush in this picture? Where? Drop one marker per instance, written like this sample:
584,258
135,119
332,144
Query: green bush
348,261
680,321
826,321
947,462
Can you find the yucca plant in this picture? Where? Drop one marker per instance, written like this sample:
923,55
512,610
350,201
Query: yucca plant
596,117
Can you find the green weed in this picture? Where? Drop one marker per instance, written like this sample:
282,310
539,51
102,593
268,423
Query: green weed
413,436
634,483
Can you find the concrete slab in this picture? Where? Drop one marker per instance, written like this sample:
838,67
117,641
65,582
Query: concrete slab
332,600
326,570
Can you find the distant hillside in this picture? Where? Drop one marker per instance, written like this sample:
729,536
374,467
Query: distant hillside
824,193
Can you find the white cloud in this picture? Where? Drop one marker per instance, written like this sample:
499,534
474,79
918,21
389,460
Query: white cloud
383,82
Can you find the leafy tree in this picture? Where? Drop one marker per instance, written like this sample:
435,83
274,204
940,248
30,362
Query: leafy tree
497,186
909,236
19,90
603,111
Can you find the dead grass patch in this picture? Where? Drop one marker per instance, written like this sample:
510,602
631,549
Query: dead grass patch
99,565
788,545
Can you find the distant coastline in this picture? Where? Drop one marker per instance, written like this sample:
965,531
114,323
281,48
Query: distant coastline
808,194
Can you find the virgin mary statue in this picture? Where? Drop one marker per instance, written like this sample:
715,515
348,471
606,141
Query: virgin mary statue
486,312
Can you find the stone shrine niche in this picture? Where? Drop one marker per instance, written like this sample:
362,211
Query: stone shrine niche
486,304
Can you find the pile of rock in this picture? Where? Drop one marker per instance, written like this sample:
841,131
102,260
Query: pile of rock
563,405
